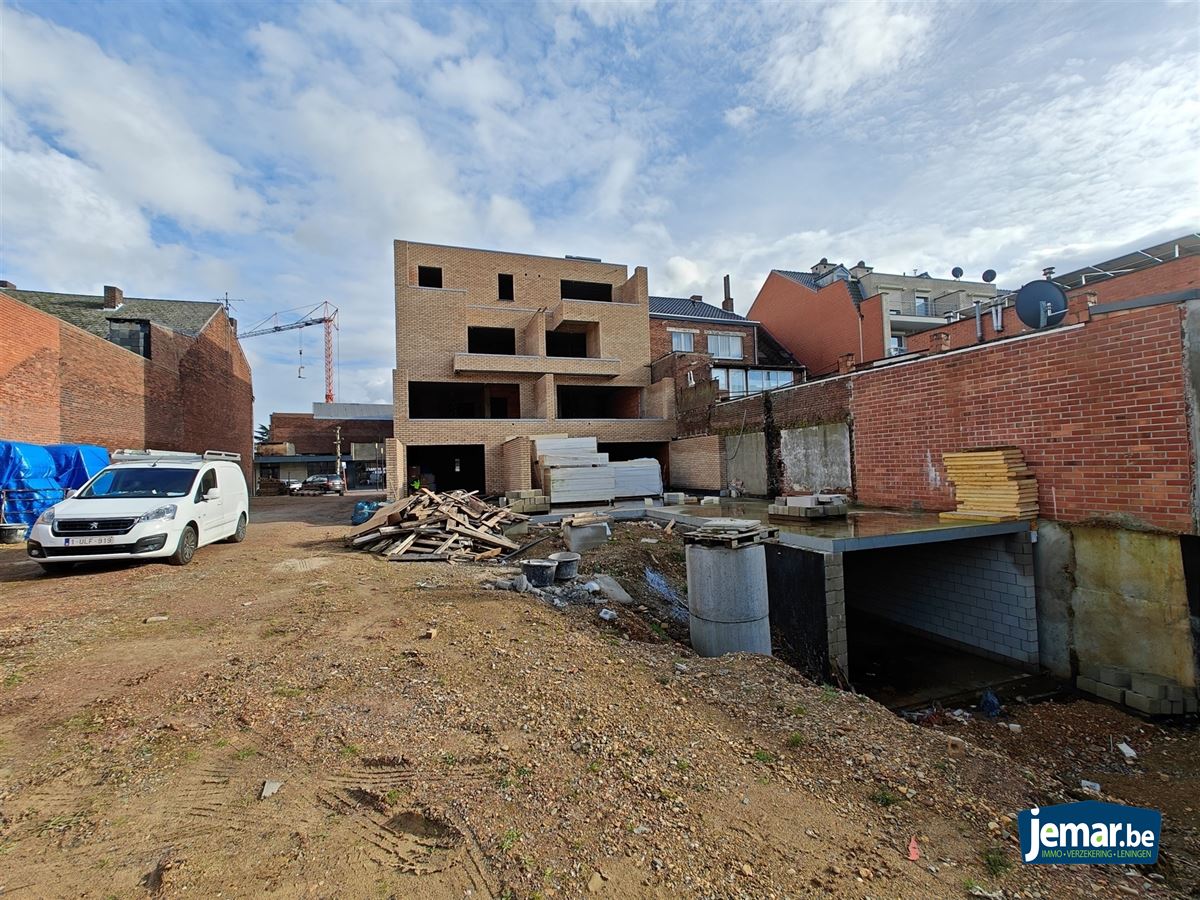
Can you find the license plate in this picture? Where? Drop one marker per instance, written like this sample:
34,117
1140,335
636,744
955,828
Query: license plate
87,541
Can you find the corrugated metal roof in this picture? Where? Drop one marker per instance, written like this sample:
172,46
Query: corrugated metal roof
685,307
87,312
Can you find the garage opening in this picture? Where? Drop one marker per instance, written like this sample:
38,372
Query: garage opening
586,290
457,400
492,340
586,402
447,467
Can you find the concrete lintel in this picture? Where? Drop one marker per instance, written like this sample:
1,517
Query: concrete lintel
902,538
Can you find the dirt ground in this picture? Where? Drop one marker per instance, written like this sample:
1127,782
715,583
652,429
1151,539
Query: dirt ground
433,738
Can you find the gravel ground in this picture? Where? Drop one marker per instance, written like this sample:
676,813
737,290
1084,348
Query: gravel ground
434,738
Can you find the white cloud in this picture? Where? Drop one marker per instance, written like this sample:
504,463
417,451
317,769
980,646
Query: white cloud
607,13
117,117
477,84
739,116
858,44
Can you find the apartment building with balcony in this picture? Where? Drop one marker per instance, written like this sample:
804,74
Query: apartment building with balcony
494,348
831,310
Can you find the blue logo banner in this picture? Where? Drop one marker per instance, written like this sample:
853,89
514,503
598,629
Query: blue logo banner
1089,832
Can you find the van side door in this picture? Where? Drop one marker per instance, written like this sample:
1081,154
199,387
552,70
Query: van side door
207,512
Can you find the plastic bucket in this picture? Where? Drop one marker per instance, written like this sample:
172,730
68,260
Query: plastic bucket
568,565
540,572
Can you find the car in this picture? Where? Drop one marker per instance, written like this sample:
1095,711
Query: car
323,484
148,504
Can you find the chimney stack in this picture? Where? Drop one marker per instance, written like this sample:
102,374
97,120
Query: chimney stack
113,297
727,303
697,298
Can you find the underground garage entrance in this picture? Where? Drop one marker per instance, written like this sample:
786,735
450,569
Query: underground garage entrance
907,609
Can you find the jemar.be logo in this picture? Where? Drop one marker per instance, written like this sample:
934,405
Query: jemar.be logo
1089,832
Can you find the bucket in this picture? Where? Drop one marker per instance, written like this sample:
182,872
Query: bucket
540,572
12,533
568,565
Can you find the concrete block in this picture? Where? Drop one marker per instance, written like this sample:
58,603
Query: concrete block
1086,684
1114,676
803,500
1108,692
1176,707
585,537
674,498
1174,692
1191,704
1149,705
1152,686
710,501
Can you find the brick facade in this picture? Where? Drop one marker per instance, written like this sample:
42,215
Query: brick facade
698,464
660,338
61,384
312,435
432,347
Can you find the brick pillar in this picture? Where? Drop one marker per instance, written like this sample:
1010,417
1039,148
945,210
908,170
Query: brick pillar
845,363
1079,308
400,395
396,462
835,613
939,342
544,399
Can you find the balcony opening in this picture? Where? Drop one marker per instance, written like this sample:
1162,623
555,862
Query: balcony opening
574,339
447,467
429,276
586,290
460,400
505,287
586,402
492,340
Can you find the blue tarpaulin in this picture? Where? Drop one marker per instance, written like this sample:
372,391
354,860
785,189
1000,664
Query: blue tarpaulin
33,477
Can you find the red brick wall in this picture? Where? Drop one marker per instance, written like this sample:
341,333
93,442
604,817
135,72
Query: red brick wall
1099,411
816,326
317,435
660,336
61,384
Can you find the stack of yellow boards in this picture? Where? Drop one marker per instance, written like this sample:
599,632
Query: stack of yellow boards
991,485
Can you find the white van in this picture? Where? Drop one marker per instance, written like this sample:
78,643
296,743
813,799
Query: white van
146,504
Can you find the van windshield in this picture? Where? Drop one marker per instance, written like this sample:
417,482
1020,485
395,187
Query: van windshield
132,481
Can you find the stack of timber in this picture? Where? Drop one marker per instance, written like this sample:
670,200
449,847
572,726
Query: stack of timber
271,487
637,478
456,527
991,485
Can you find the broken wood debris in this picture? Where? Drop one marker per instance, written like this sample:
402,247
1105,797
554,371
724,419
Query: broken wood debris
428,527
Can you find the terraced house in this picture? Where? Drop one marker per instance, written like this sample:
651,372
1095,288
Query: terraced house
493,348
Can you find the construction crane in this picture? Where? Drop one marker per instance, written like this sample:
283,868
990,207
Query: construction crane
321,314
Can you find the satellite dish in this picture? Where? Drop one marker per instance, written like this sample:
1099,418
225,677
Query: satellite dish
956,272
1041,304
989,276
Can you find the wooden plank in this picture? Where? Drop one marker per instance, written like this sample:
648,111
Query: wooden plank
493,539
400,546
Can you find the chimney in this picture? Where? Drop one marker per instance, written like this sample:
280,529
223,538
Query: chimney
861,269
1079,307
113,297
697,298
846,363
939,342
727,303
822,267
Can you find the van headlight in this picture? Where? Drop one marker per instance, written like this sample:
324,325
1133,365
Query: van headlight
47,517
163,512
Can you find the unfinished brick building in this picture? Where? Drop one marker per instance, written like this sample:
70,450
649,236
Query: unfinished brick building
122,372
492,348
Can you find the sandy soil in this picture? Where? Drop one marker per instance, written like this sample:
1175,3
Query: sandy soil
520,751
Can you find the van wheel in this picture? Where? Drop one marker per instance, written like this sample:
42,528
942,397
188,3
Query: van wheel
240,535
187,547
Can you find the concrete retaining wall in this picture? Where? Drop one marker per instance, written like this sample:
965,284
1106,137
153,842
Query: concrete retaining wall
746,461
817,458
976,593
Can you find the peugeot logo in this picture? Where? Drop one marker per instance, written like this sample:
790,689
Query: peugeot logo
94,526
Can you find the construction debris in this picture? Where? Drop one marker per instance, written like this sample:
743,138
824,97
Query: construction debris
809,506
991,485
427,526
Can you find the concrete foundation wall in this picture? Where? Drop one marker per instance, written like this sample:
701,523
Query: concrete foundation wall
1113,597
746,461
817,457
976,593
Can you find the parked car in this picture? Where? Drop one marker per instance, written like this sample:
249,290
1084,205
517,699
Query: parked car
291,485
146,505
326,484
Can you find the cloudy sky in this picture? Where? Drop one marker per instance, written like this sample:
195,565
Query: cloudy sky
273,152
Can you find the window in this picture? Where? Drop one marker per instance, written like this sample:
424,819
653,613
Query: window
922,306
725,346
721,377
429,276
269,471
505,286
737,382
682,341
586,290
756,380
897,347
491,340
208,481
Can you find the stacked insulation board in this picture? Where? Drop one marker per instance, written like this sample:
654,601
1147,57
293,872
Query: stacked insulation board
571,470
992,485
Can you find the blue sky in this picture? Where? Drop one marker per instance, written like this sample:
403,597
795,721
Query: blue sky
274,151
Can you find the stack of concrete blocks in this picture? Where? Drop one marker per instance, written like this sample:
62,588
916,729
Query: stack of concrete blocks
1150,694
674,498
528,501
809,506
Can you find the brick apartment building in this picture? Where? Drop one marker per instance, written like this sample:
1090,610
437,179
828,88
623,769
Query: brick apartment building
304,444
714,342
493,348
122,372
832,310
